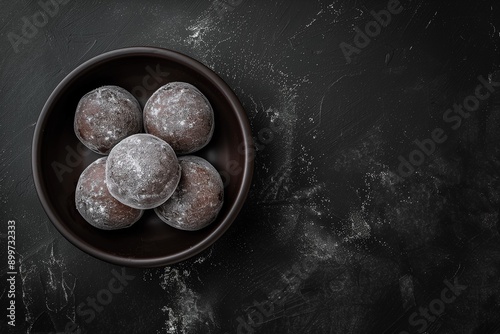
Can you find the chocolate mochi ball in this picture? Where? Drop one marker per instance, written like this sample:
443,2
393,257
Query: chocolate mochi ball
198,198
181,115
95,203
105,116
142,171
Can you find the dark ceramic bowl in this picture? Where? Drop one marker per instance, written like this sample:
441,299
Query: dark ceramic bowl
59,158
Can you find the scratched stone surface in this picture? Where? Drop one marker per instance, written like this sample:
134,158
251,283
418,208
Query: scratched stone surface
375,199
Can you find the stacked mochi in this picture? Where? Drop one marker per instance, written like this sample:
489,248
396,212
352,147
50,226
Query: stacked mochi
151,170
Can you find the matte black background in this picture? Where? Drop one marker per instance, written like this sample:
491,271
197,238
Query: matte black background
349,249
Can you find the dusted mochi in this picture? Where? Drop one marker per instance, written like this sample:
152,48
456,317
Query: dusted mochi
198,198
95,203
181,115
105,116
142,171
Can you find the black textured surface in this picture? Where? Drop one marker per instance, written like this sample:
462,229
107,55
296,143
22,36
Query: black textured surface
331,239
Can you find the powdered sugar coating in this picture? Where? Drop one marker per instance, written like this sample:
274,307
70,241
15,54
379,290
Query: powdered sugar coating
198,198
105,116
95,203
142,171
181,115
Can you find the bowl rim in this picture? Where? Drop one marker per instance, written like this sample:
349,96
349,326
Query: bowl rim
247,169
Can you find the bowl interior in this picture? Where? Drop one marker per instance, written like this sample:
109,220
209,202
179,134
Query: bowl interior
59,158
